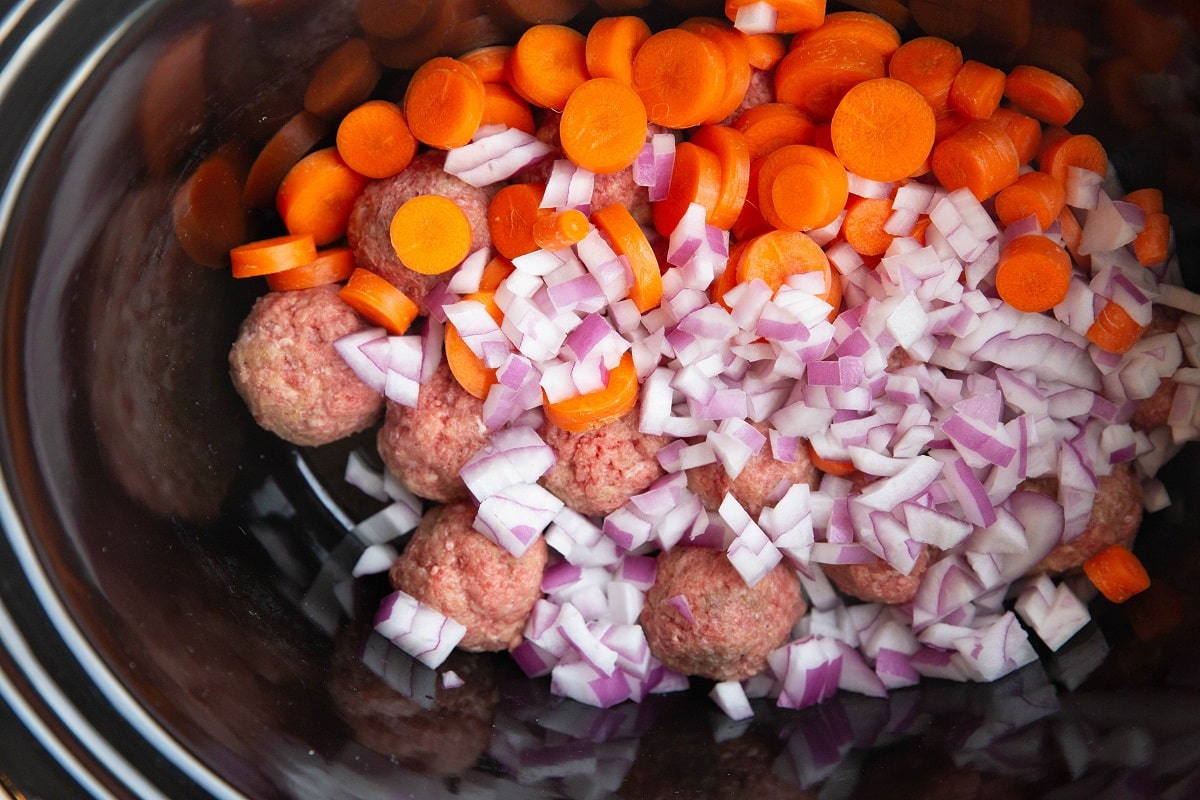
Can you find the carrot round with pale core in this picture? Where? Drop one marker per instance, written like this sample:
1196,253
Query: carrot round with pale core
378,301
318,194
444,103
680,77
603,125
587,412
883,129
863,225
430,234
1034,273
801,187
374,139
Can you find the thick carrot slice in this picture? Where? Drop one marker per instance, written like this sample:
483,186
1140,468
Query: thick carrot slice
559,230
801,187
472,374
209,215
841,469
883,129
1034,273
736,53
611,44
627,239
295,139
444,103
276,254
1024,130
862,227
1152,244
929,64
603,125
587,412
1043,95
1114,329
494,273
378,301
489,63
1072,150
1117,573
695,178
503,106
1149,199
345,78
330,266
512,213
979,156
431,234
374,139
794,16
680,77
775,256
547,63
977,90
317,195
1034,193
814,77
766,49
868,28
769,126
729,146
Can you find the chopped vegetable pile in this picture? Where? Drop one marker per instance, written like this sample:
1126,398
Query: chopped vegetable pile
830,250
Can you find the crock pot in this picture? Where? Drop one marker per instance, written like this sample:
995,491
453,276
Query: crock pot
176,613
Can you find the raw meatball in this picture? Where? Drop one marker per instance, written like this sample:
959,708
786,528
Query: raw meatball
426,446
1116,515
284,366
878,581
454,568
760,91
1154,410
596,472
369,231
733,626
756,482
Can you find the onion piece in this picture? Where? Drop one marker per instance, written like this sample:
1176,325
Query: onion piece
418,629
757,17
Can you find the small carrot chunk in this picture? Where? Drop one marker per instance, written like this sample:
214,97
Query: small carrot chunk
1042,94
587,412
378,301
330,266
1117,573
276,254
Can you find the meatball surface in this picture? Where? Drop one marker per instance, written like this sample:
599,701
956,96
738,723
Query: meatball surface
733,626
425,447
1115,518
878,581
756,482
596,472
294,382
457,570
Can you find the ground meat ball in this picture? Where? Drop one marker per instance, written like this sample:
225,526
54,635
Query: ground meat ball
755,483
760,91
457,570
284,366
1155,409
878,581
596,472
426,446
1116,515
734,626
369,231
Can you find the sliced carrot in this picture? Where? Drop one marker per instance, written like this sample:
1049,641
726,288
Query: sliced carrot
317,195
862,228
611,44
1024,131
1034,193
295,139
766,49
431,234
512,213
794,16
929,64
840,469
209,216
345,78
1149,199
1033,274
587,412
868,28
814,77
695,178
1072,150
444,103
1152,244
979,156
472,374
801,187
503,106
883,129
276,254
603,125
730,148
1117,573
494,273
775,256
559,230
680,77
728,277
1072,235
547,63
374,139
750,222
627,239
977,90
378,301
1114,329
736,53
769,126
1042,94
330,266
489,63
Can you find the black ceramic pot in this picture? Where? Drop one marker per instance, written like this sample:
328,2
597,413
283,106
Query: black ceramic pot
176,618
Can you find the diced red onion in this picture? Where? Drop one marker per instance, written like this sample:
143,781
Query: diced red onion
513,517
1083,187
758,17
1108,226
375,559
418,629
